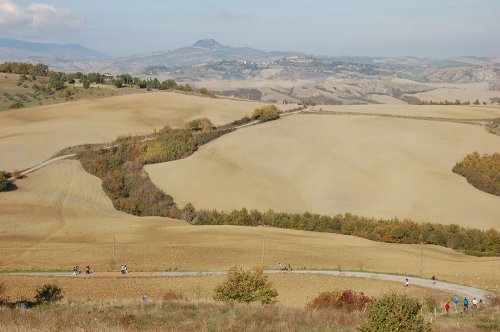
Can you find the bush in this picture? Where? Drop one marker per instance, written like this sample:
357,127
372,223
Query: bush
346,300
246,287
200,124
48,293
430,304
16,105
4,181
266,113
173,295
395,312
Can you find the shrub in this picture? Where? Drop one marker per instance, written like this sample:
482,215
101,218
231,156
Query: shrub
246,287
48,293
346,300
200,124
16,105
86,84
4,181
173,295
266,113
430,304
395,312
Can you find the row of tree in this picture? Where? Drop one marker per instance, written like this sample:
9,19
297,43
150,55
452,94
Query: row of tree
481,171
24,68
131,190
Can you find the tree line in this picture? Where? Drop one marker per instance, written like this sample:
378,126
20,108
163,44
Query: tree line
131,190
481,171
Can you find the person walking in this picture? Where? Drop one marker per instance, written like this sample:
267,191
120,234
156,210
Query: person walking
407,283
447,307
145,299
433,279
466,304
455,301
474,303
87,270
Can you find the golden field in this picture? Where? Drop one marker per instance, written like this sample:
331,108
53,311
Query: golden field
330,164
59,217
31,135
293,290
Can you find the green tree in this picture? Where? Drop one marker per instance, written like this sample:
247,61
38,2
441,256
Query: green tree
4,181
395,312
48,293
246,287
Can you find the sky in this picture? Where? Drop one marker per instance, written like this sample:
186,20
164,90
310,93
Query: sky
423,28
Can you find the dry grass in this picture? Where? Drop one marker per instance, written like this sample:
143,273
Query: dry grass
294,290
168,316
368,166
31,135
8,84
59,217
438,111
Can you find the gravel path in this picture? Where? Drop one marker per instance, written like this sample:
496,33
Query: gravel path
470,292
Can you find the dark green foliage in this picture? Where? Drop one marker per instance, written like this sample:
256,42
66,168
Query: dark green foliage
246,287
346,300
16,105
48,293
4,181
395,312
86,84
24,68
483,172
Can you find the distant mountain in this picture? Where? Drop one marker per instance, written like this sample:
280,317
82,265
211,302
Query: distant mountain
201,52
14,49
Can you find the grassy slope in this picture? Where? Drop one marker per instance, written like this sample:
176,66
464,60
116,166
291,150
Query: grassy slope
59,217
10,92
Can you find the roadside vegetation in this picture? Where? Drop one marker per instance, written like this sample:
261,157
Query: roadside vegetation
481,171
337,310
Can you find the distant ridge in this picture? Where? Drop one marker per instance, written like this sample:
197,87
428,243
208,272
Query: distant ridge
11,49
208,43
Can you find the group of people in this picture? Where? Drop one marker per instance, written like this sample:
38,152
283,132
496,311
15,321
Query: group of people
76,270
124,269
475,303
286,267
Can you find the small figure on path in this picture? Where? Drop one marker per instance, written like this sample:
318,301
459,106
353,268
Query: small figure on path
126,269
87,270
289,267
407,283
76,270
282,268
466,304
447,307
455,300
145,299
123,269
474,303
480,303
433,279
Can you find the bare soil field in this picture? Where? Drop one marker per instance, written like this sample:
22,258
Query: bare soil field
293,290
438,111
59,217
370,166
31,135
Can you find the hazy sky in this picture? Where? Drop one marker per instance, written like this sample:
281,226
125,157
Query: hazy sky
328,27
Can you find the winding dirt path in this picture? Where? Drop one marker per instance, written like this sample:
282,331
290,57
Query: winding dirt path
470,292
